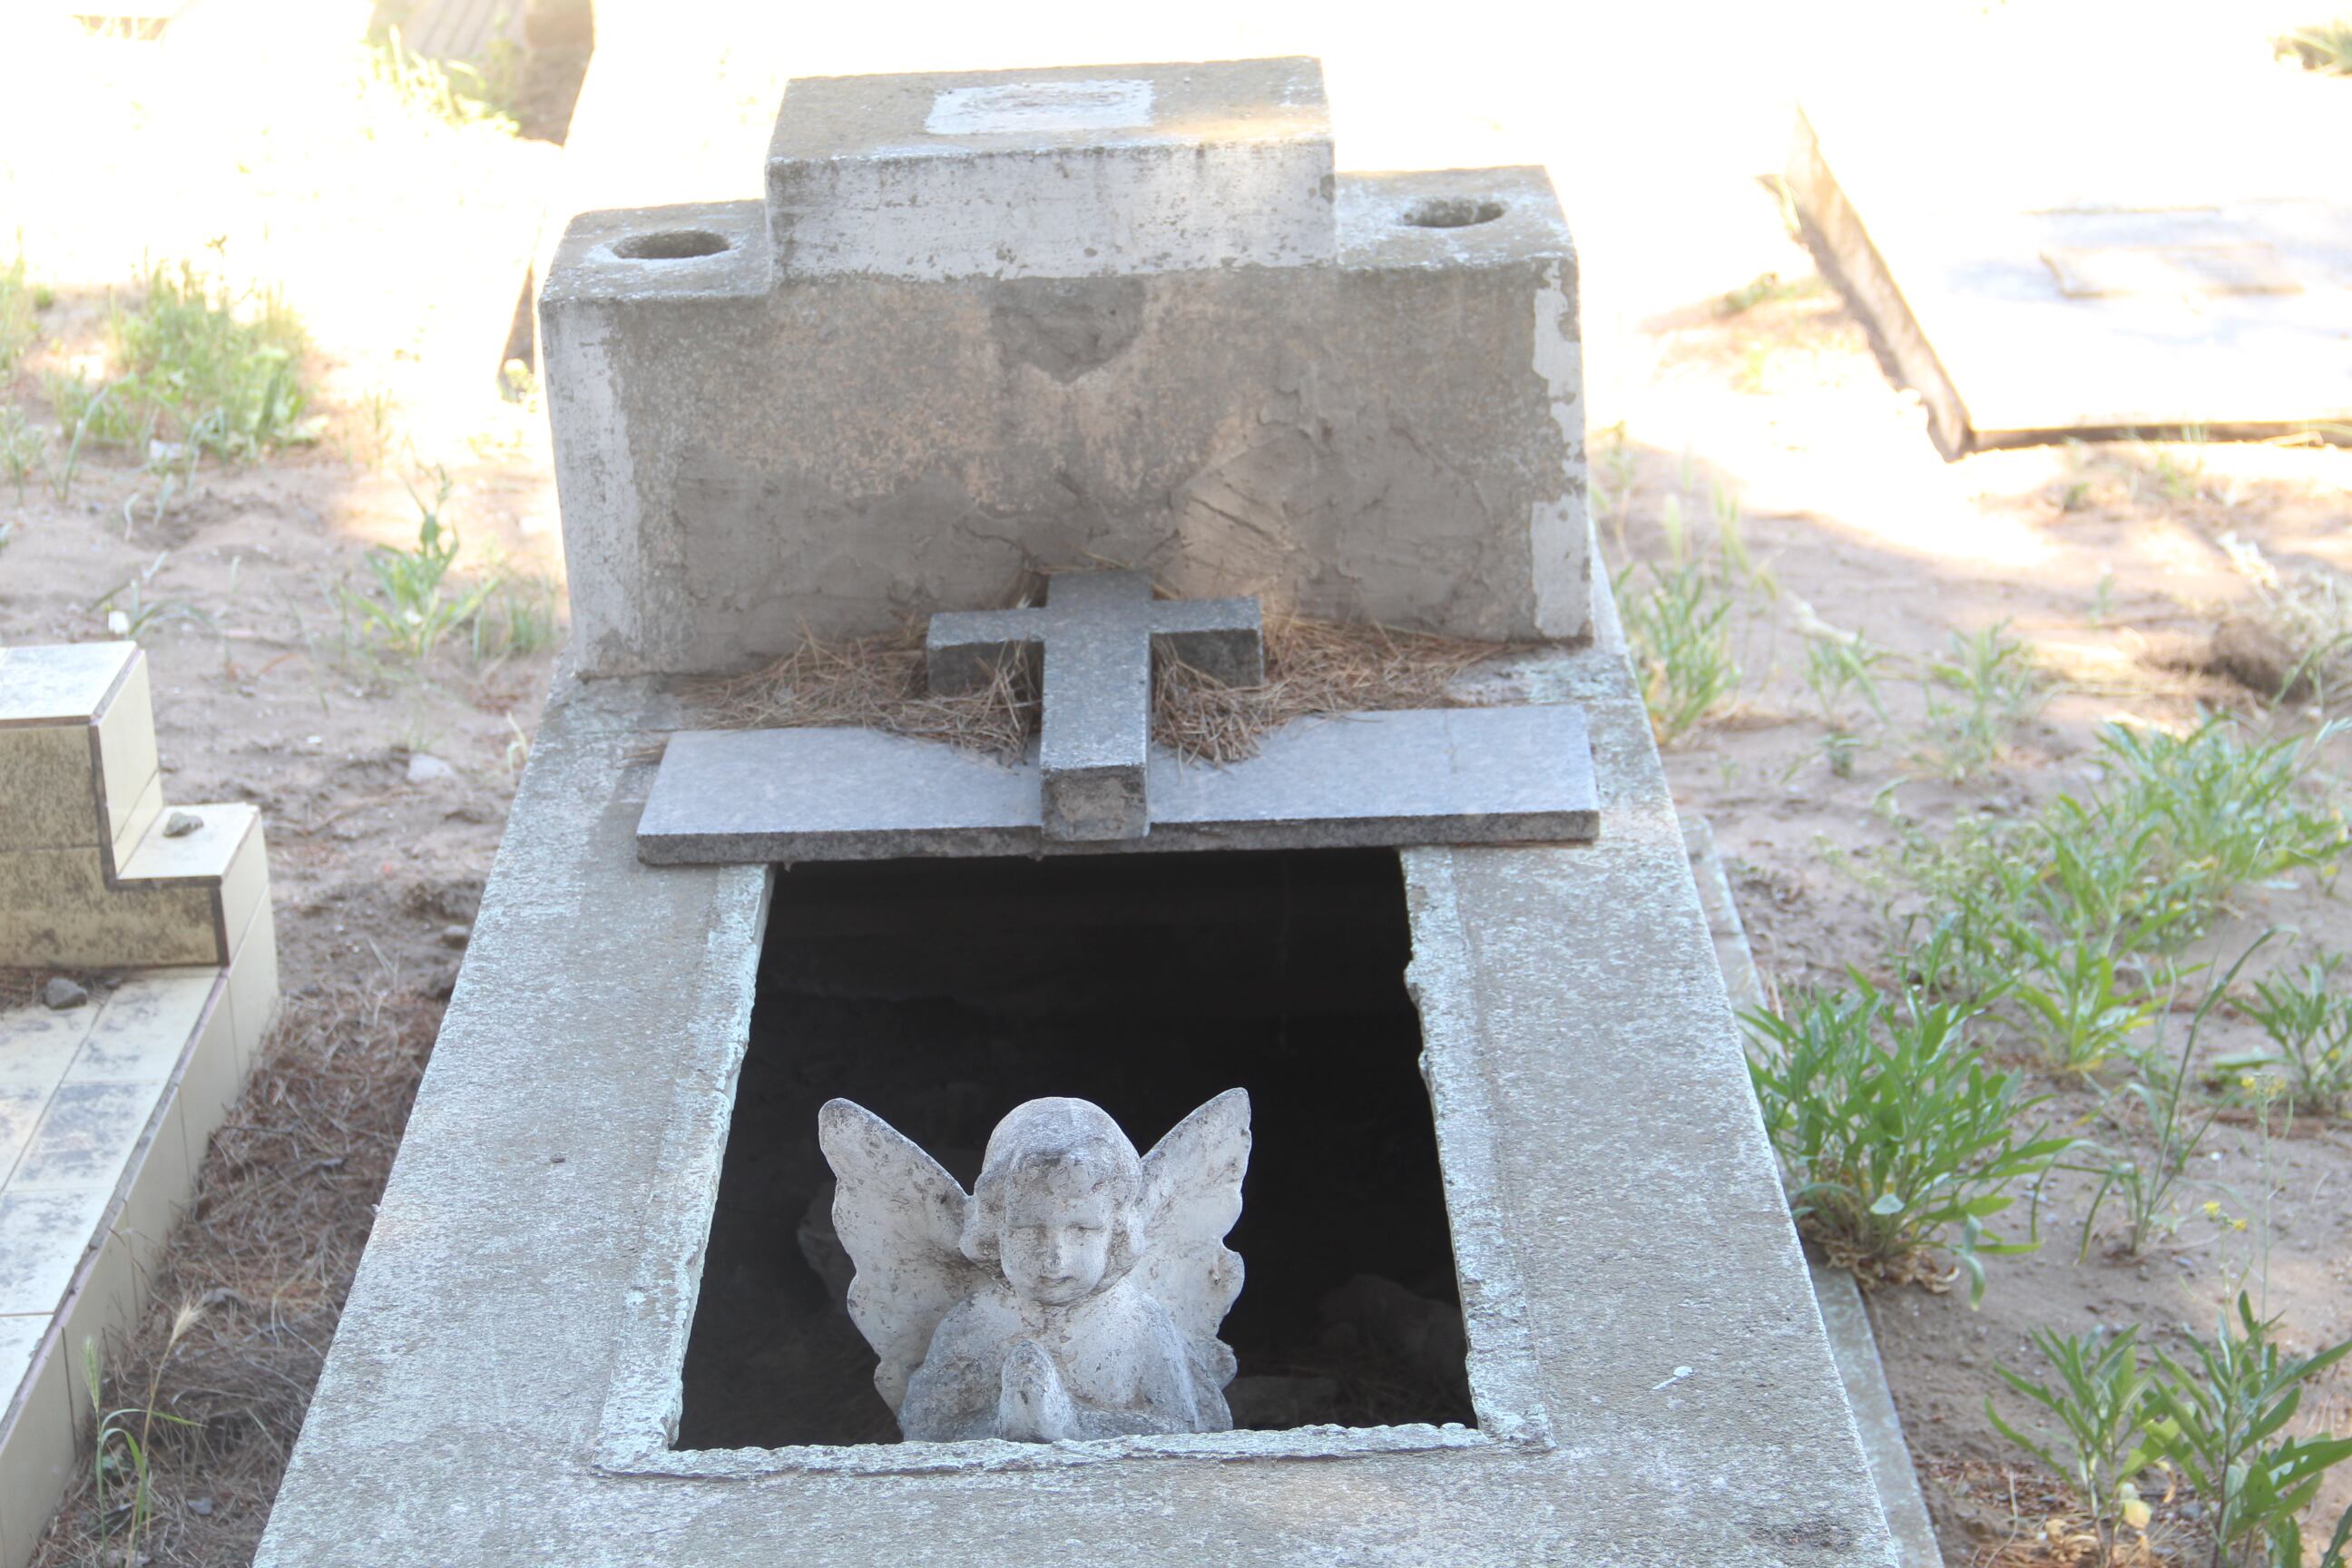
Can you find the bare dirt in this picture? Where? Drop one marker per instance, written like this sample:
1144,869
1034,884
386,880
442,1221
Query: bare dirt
2116,564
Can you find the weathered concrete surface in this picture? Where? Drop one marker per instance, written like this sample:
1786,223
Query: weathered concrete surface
1843,1317
1642,1225
1070,173
746,456
1440,775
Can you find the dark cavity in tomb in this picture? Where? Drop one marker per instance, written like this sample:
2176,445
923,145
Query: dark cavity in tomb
941,994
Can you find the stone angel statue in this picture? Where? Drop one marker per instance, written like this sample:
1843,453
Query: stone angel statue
1075,1293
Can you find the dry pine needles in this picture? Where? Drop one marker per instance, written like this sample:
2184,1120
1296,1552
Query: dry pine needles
1313,667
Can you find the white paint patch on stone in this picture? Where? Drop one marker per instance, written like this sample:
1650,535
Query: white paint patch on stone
1040,108
1559,526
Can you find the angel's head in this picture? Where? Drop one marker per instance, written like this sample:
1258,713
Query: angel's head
1059,1203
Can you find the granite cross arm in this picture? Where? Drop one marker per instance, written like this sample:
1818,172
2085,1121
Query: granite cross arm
1098,633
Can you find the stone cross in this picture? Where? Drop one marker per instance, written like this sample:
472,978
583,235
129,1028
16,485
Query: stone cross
1097,634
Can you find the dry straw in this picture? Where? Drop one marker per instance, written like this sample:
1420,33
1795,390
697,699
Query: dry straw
1311,667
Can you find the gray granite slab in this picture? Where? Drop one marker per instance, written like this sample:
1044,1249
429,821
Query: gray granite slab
1098,632
1448,775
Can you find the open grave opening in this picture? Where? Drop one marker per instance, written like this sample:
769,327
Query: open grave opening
941,994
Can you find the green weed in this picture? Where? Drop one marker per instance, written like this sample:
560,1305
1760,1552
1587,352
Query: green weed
2223,811
118,1455
1891,1148
2310,1028
1984,688
455,93
192,364
2324,47
130,613
1766,288
2218,1418
22,446
2099,1401
2145,1182
17,329
408,606
1681,644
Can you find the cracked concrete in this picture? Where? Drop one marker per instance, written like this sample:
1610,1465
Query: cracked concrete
1387,427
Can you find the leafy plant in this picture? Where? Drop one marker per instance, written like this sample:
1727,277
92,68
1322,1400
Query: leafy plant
1998,688
1681,646
2145,1184
130,613
194,363
456,92
2222,811
1891,1148
410,602
2098,1401
119,1455
17,304
2322,46
2218,1421
2310,1028
21,446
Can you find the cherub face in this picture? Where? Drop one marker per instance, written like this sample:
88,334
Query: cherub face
1056,1244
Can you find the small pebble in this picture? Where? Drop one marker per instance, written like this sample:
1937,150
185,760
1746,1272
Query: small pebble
180,824
61,993
201,1507
456,936
424,768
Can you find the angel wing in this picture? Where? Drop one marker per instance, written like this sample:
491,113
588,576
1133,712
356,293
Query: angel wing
1193,1194
900,1217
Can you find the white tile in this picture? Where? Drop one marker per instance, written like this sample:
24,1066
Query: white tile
36,1044
19,1334
66,681
85,1136
144,1028
101,1313
253,986
43,1237
213,1078
127,827
20,1112
155,1191
36,1457
126,744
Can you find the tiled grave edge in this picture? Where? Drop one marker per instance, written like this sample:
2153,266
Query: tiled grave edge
47,1411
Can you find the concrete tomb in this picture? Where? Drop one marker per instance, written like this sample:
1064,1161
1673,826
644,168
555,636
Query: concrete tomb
651,1283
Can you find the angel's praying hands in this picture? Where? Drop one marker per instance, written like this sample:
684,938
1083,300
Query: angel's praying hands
1075,1293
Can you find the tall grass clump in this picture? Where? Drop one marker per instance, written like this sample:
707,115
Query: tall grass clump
192,362
1678,628
1899,1141
415,599
2309,1023
17,327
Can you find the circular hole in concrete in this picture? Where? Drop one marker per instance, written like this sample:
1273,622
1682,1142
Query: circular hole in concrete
1451,212
669,245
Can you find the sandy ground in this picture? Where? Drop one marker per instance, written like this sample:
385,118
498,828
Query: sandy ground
2113,562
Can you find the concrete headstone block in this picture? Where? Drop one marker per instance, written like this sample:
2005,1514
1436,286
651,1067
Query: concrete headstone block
1073,173
759,437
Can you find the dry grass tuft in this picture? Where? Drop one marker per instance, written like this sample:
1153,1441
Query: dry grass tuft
1312,667
265,1255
